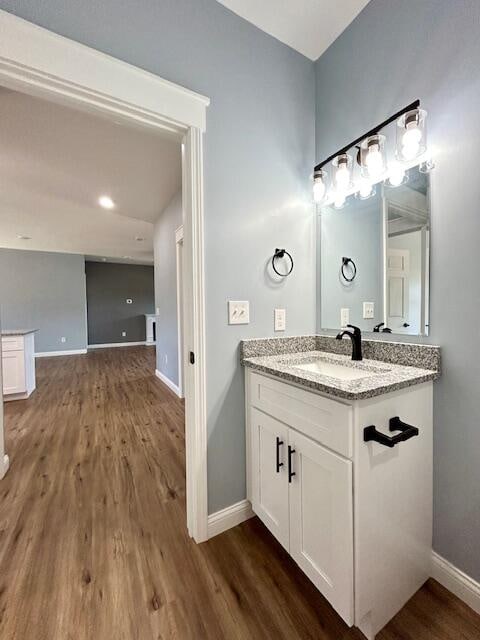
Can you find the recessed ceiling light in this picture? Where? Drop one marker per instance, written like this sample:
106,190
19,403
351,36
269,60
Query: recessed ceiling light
139,238
24,237
104,259
106,202
127,258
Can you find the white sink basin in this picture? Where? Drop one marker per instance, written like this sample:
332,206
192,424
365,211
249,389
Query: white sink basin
333,370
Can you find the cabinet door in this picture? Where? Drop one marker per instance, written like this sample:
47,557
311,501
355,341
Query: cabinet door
321,520
269,473
13,368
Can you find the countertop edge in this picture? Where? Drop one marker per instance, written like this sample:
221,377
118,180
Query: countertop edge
340,393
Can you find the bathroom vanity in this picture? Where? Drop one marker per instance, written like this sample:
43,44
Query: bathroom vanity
339,466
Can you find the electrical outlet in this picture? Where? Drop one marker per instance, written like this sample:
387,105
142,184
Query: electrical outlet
124,334
238,312
165,358
368,310
63,339
280,319
344,317
158,311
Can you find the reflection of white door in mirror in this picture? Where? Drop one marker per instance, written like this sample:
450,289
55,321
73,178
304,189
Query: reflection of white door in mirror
398,270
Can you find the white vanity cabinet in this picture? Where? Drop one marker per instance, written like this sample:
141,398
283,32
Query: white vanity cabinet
18,366
356,516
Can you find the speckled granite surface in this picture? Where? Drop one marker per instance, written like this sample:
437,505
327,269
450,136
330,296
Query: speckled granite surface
379,378
388,365
411,355
17,332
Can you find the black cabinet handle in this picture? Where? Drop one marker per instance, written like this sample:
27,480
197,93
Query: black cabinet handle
277,459
407,431
290,472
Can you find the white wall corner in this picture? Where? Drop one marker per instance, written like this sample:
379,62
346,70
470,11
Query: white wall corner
4,466
229,517
171,385
456,581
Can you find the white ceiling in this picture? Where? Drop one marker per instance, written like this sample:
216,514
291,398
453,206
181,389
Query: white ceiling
54,164
309,26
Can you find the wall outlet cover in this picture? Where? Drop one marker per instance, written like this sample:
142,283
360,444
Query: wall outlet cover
124,333
280,319
368,310
238,312
63,339
344,317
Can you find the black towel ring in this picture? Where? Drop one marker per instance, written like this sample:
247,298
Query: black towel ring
345,263
281,253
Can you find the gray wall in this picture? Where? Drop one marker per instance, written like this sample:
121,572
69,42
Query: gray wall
164,250
391,54
44,291
109,285
259,153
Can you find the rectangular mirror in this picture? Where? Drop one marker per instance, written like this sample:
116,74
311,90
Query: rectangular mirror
373,259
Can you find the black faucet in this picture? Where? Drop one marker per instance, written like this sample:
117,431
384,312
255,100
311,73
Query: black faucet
376,328
356,338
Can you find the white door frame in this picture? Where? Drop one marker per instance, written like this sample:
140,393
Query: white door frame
38,62
180,311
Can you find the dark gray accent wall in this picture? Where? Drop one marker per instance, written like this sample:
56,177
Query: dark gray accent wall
259,152
109,286
165,257
391,54
44,291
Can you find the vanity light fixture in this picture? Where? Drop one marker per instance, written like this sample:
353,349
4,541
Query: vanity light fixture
396,175
410,150
366,189
343,166
411,134
320,178
372,156
339,199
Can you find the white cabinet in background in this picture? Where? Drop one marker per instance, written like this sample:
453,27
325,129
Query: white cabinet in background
355,516
18,366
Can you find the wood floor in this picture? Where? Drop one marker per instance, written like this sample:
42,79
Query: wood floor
93,543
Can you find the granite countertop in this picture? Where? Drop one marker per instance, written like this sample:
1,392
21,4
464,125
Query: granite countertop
17,332
380,377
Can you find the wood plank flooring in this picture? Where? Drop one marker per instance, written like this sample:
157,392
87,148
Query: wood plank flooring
93,542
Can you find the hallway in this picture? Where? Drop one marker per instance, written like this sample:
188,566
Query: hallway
93,542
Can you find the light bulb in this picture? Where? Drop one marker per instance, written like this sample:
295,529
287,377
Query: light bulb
366,189
342,177
318,189
411,142
339,201
397,175
374,161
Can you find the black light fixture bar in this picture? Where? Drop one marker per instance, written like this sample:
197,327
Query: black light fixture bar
372,132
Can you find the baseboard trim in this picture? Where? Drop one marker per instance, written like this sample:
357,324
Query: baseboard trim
171,385
50,354
456,581
229,517
4,466
109,345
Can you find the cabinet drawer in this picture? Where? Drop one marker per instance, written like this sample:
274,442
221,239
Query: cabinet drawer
12,343
327,421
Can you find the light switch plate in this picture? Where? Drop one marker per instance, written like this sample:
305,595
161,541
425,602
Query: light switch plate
280,319
238,312
368,310
344,317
